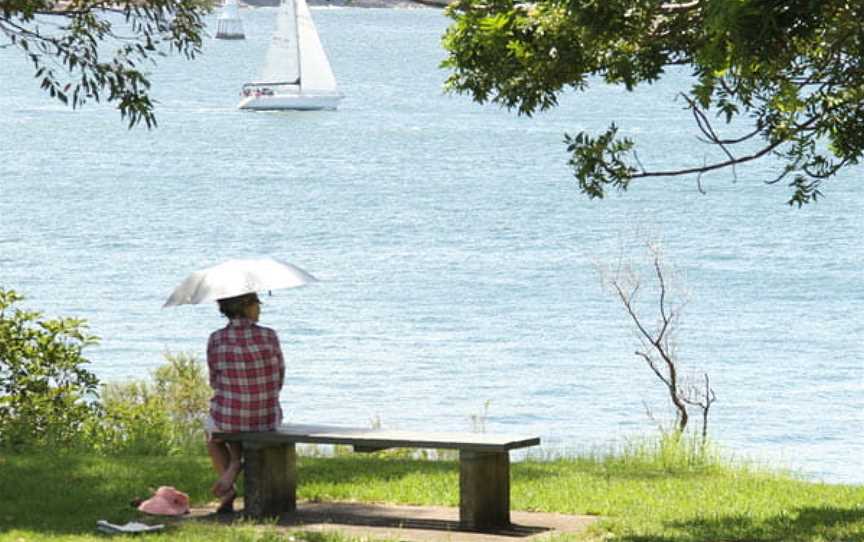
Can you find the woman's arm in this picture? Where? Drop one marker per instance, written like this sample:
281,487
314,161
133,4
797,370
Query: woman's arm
211,361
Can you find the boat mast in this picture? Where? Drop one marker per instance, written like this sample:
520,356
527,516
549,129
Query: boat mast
297,41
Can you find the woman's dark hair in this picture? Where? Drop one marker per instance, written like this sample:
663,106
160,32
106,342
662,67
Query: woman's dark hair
235,307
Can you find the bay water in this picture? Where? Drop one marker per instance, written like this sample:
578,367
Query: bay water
458,260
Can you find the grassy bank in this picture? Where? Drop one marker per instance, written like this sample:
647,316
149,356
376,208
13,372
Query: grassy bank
642,498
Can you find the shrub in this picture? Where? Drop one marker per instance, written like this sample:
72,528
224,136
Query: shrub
134,421
162,417
46,394
182,383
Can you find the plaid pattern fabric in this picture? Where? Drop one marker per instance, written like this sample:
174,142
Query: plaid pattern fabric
246,373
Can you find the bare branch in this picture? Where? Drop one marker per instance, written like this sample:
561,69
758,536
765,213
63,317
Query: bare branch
657,346
627,301
719,165
741,139
699,183
705,169
653,365
705,127
662,302
703,403
636,157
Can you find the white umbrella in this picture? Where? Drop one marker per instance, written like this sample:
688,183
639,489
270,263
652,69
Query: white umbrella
237,277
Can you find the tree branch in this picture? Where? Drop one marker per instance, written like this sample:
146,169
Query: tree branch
719,165
653,367
628,305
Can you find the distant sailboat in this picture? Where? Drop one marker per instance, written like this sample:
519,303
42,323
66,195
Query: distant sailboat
229,25
297,74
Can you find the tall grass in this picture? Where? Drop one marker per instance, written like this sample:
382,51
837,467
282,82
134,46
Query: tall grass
669,452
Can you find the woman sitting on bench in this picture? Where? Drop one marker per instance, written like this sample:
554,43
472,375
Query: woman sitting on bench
247,372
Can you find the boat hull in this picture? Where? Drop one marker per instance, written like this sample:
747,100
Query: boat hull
290,102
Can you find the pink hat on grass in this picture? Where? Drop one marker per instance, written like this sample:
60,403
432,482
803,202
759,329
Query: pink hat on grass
167,501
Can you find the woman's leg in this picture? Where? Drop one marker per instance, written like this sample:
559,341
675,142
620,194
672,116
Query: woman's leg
225,457
230,459
219,455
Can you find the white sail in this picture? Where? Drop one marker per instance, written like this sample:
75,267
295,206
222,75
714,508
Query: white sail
315,71
282,64
297,74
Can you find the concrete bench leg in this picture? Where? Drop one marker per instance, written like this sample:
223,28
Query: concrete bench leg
271,480
484,490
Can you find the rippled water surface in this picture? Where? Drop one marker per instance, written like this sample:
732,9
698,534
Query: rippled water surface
456,256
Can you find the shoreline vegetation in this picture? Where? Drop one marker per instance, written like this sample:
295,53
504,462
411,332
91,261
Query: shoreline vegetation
666,488
75,454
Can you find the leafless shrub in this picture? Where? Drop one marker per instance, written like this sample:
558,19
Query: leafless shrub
657,341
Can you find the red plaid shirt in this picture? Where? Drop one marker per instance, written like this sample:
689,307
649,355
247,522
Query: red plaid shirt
246,373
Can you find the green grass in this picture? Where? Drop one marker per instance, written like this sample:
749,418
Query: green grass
644,494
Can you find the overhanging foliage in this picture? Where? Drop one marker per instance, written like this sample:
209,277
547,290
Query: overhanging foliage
793,70
84,50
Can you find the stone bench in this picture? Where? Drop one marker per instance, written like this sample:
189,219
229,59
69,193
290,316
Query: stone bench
270,466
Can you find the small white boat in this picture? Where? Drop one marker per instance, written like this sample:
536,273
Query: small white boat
229,26
297,74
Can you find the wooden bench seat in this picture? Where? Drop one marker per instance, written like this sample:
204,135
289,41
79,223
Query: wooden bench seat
270,466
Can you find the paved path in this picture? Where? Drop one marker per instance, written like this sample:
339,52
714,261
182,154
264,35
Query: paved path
414,523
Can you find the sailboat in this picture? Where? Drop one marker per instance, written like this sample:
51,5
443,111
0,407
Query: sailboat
296,74
229,26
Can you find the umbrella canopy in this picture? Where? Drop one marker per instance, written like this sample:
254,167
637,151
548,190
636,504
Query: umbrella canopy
237,277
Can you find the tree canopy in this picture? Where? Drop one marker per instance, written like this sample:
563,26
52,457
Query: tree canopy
791,70
97,50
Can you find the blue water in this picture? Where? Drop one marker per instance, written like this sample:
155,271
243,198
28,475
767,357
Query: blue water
456,256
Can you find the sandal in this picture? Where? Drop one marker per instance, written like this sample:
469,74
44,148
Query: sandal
226,505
